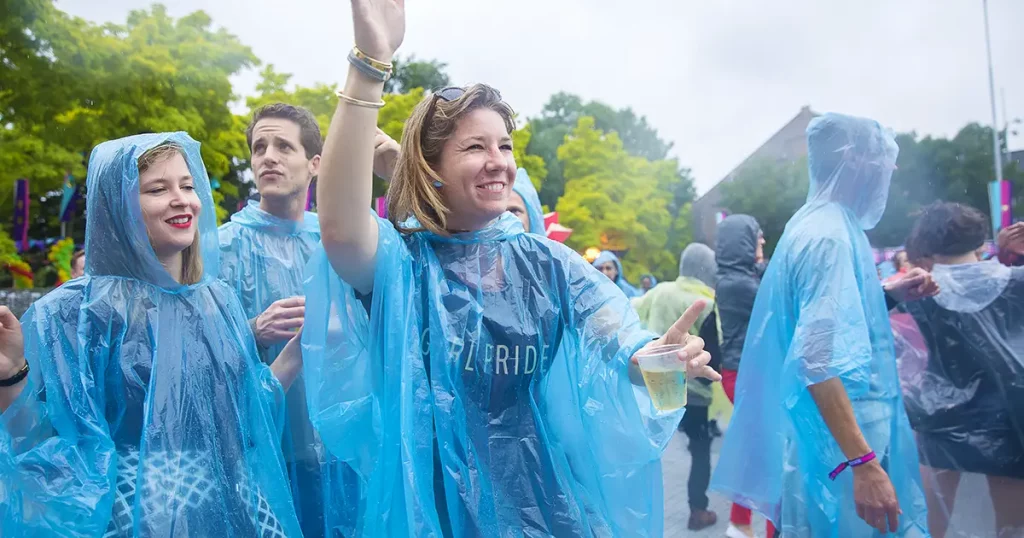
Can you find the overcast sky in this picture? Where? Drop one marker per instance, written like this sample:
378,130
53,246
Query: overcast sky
717,78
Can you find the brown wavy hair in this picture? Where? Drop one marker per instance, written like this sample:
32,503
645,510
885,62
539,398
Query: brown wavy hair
412,191
191,260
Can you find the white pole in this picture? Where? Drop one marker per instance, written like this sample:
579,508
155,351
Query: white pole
997,154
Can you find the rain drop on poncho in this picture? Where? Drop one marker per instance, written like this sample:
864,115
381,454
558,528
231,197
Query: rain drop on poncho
820,314
263,258
148,411
484,388
620,281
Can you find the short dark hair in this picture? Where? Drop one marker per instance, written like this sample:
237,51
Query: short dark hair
309,129
947,229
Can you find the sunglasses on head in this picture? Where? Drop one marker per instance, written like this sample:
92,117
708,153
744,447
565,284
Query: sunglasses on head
451,93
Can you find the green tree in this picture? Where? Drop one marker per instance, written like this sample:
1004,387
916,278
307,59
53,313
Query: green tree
770,192
617,201
151,74
411,73
560,116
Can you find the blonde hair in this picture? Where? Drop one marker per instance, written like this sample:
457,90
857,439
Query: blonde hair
191,258
412,191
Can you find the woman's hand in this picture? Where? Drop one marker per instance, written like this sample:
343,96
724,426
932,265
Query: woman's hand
693,346
12,344
379,27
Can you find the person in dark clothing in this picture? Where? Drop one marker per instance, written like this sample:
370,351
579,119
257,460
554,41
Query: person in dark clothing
964,387
739,250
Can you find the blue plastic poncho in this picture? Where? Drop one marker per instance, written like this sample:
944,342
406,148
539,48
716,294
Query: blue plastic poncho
524,188
620,281
263,258
487,392
820,314
119,435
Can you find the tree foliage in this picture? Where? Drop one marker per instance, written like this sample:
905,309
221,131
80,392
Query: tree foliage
769,191
560,116
153,73
617,201
411,73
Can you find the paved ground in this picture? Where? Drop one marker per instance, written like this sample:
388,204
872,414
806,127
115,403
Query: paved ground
972,515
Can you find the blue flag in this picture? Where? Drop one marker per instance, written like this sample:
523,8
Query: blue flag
68,198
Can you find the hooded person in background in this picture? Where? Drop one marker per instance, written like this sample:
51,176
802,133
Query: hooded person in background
820,390
658,309
608,263
739,248
525,204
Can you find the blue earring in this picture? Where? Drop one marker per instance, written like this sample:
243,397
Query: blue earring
437,184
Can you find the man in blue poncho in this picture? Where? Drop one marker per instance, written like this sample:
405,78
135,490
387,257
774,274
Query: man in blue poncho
819,391
264,250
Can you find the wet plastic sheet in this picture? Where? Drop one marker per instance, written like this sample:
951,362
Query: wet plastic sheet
961,364
263,258
820,314
117,433
485,389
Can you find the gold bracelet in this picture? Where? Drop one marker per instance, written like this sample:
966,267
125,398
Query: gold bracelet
376,64
359,102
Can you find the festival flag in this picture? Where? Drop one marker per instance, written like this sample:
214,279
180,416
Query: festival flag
999,201
553,230
69,198
381,206
21,203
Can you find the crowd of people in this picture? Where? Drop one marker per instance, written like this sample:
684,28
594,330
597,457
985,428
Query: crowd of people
448,371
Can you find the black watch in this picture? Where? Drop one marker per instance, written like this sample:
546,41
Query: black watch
16,378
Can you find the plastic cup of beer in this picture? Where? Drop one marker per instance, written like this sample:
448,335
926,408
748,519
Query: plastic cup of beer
665,376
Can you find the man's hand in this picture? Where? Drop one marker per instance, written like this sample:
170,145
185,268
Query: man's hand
280,320
1011,239
875,497
916,284
385,155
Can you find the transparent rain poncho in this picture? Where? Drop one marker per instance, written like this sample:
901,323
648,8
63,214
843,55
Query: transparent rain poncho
820,314
534,211
148,411
263,258
484,388
961,364
620,281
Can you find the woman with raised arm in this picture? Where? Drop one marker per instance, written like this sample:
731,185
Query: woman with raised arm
132,400
477,377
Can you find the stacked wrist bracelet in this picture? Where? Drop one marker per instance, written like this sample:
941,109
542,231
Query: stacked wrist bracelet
375,69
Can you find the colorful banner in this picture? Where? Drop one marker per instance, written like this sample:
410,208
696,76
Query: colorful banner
69,198
380,205
310,195
21,204
999,203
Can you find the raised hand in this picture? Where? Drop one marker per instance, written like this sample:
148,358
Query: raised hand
379,27
693,351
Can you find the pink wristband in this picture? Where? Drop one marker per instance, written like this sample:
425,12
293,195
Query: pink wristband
856,462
